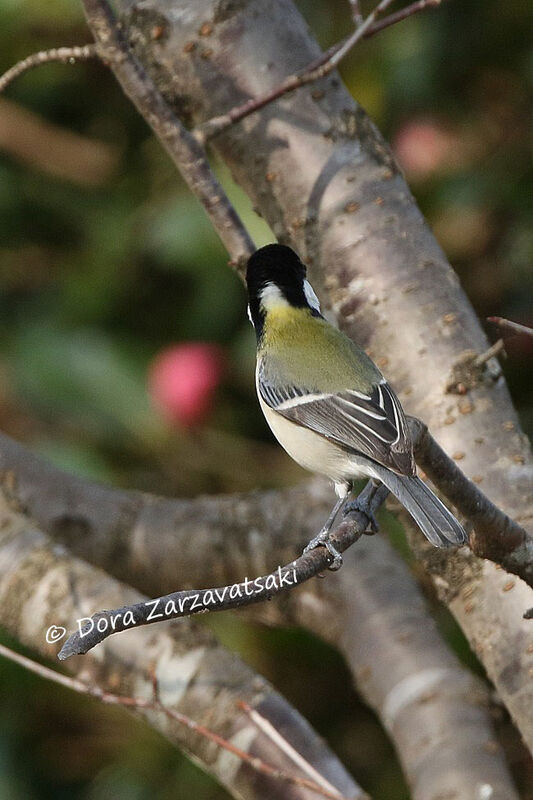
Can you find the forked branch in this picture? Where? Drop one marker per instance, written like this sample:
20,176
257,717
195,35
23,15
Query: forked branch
322,66
100,18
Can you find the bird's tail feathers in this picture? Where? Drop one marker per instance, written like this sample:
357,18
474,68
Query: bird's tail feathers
433,518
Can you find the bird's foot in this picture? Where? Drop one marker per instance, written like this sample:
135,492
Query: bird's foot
365,507
322,540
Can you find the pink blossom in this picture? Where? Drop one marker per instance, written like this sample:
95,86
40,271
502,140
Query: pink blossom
423,146
183,379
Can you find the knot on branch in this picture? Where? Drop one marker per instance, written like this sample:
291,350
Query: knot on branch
472,369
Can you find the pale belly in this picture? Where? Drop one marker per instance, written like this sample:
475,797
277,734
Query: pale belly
312,451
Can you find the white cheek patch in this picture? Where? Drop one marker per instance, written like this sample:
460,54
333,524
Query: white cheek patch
272,297
310,296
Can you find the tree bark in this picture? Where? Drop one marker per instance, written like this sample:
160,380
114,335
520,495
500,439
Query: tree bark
42,585
319,172
435,711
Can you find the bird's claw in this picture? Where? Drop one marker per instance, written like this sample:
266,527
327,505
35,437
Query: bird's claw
322,540
363,508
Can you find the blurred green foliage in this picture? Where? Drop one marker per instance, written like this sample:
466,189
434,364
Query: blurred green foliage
105,264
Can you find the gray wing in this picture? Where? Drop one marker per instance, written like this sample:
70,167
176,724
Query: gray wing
371,424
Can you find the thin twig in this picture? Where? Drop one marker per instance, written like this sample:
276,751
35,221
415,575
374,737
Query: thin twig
279,741
112,47
65,55
507,324
318,68
190,601
184,149
403,13
156,705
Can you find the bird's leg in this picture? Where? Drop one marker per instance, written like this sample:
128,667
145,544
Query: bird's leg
364,504
322,538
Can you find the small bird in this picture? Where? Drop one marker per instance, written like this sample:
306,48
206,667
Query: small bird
327,403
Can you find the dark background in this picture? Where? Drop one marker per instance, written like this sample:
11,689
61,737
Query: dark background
106,260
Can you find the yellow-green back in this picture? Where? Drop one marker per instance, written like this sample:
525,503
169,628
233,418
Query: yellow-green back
299,348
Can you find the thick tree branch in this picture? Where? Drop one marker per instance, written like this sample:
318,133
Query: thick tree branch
371,606
371,609
326,182
41,586
256,590
318,68
155,704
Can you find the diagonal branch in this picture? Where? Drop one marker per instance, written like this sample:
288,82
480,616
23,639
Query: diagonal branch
318,68
496,536
155,704
184,149
191,601
41,586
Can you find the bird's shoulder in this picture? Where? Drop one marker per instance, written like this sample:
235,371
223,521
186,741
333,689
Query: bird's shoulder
312,353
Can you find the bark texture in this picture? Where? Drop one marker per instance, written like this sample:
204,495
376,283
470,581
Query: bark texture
435,711
43,585
320,173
